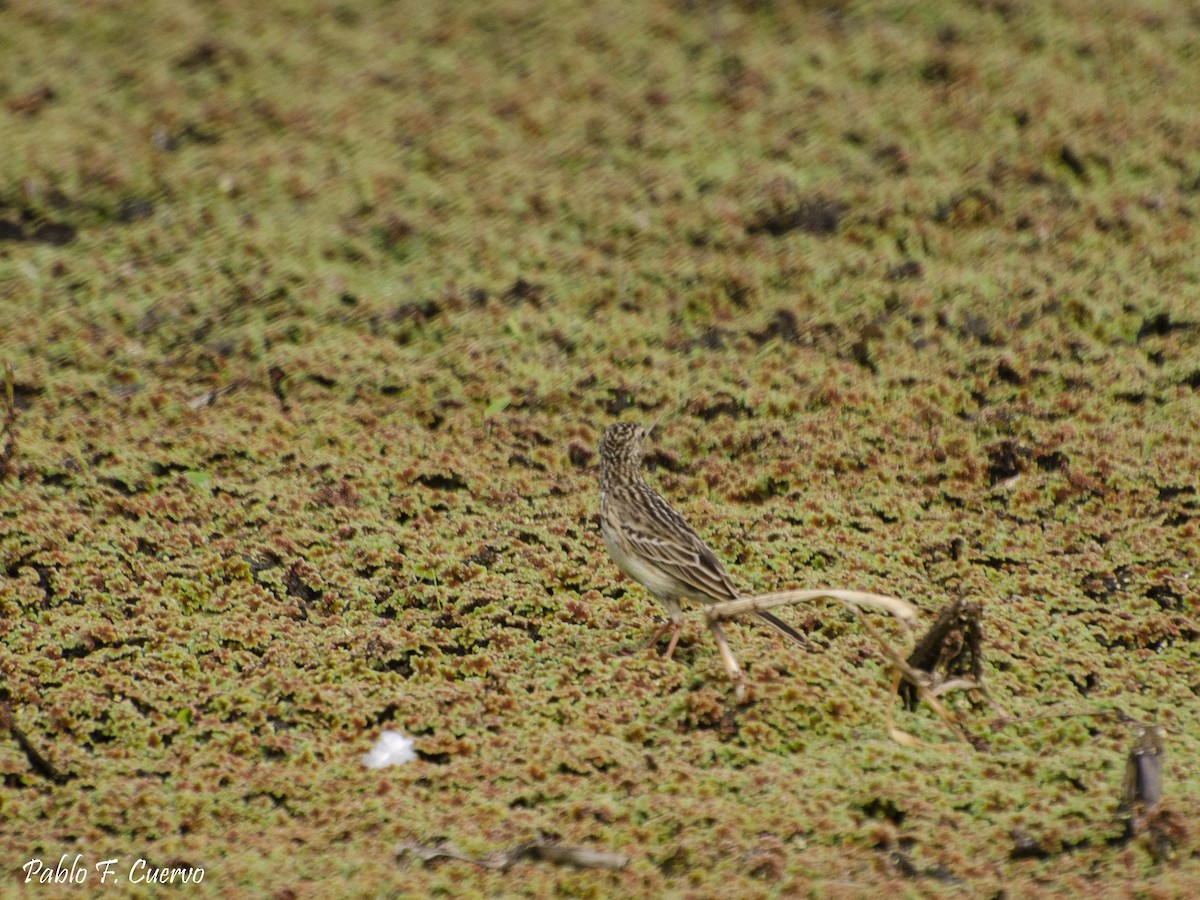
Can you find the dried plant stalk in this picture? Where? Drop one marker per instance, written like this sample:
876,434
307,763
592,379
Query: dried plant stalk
1143,770
502,860
950,649
904,612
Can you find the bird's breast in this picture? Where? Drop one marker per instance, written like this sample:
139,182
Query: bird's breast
659,583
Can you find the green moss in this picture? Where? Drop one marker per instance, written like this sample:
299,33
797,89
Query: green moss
909,288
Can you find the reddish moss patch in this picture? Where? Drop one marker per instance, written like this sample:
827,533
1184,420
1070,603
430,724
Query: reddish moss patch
316,315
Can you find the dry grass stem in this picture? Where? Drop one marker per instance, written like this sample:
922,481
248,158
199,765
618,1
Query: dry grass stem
903,611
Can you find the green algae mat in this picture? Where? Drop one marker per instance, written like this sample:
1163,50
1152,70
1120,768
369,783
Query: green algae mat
315,314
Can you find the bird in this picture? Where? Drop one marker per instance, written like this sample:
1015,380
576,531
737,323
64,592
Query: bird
655,546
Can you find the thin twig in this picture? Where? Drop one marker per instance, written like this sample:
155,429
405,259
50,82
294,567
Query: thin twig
904,612
548,851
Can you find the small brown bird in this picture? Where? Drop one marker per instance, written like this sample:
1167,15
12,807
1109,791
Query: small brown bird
652,544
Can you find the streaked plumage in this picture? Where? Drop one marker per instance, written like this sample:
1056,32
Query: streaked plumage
652,544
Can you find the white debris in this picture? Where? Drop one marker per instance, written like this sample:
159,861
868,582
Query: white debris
392,749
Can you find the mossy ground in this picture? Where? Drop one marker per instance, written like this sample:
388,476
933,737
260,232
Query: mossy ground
913,287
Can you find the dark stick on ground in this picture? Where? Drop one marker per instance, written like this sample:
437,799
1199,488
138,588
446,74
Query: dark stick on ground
8,435
37,762
953,647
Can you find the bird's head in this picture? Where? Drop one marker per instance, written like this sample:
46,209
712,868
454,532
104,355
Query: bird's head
621,451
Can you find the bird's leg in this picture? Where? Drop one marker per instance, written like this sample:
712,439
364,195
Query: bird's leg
730,661
657,636
676,630
674,624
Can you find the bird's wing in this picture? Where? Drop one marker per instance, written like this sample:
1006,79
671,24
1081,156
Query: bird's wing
660,535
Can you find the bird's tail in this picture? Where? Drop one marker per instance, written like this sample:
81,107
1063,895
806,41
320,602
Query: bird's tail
785,629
